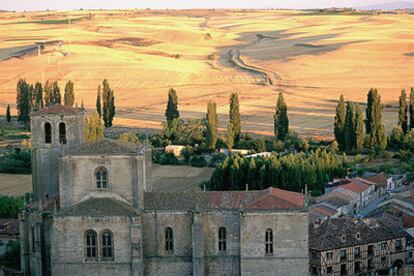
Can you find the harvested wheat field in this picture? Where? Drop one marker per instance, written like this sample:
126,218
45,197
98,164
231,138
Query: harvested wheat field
205,55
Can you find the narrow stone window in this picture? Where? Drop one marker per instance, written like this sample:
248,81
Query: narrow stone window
48,133
222,239
101,177
90,237
62,133
107,246
269,242
169,240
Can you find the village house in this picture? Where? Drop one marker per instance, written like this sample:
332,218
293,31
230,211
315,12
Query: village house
348,246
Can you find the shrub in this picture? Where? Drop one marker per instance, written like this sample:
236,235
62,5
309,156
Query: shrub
198,161
19,162
168,158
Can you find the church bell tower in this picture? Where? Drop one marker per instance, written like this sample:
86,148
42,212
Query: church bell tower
54,129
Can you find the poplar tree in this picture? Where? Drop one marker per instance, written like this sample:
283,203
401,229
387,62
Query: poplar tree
349,132
212,122
412,108
339,124
37,97
56,96
69,98
99,102
235,116
48,93
23,100
359,130
280,119
230,136
108,100
94,129
171,113
8,115
402,112
374,126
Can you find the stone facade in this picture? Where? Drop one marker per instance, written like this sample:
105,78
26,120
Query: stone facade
106,220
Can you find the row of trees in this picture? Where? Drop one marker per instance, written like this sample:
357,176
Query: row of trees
349,125
34,97
290,172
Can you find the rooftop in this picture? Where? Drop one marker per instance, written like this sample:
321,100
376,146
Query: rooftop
57,109
269,199
105,147
357,185
99,207
329,235
9,227
379,179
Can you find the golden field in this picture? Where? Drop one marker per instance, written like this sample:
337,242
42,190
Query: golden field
206,55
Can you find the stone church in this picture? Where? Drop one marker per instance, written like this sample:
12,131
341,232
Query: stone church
94,213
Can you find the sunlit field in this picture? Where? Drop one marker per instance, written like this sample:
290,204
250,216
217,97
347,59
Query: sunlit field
206,55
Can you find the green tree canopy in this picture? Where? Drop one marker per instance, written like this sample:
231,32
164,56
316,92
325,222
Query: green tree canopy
212,123
402,112
339,124
171,113
280,119
235,115
108,101
69,98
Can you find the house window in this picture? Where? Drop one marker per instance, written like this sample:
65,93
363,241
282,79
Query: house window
343,238
48,133
342,255
169,240
101,177
62,133
90,241
222,239
357,267
358,236
357,252
329,270
329,255
343,269
107,245
383,245
398,245
269,242
371,250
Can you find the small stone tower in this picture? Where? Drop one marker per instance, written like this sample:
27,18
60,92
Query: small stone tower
54,129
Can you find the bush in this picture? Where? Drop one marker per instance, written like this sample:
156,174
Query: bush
186,153
217,158
168,158
11,259
10,206
18,162
198,161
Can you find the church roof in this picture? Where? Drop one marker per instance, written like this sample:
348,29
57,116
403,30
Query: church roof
99,207
57,109
268,199
105,147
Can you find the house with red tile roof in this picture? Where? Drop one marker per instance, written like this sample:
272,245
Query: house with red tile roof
363,190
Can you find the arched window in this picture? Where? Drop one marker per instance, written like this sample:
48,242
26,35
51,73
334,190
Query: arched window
169,240
222,239
107,245
269,242
90,242
101,178
62,133
48,133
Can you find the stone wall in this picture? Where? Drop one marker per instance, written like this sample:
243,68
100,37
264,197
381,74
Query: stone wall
290,243
68,248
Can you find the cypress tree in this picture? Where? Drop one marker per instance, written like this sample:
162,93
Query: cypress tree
99,102
374,126
48,93
359,130
402,112
108,101
412,108
235,115
56,96
69,98
23,100
349,133
251,174
8,115
280,119
171,113
37,97
230,136
212,122
339,124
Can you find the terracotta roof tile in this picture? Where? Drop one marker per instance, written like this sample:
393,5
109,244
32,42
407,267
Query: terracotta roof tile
57,109
355,187
380,179
105,147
